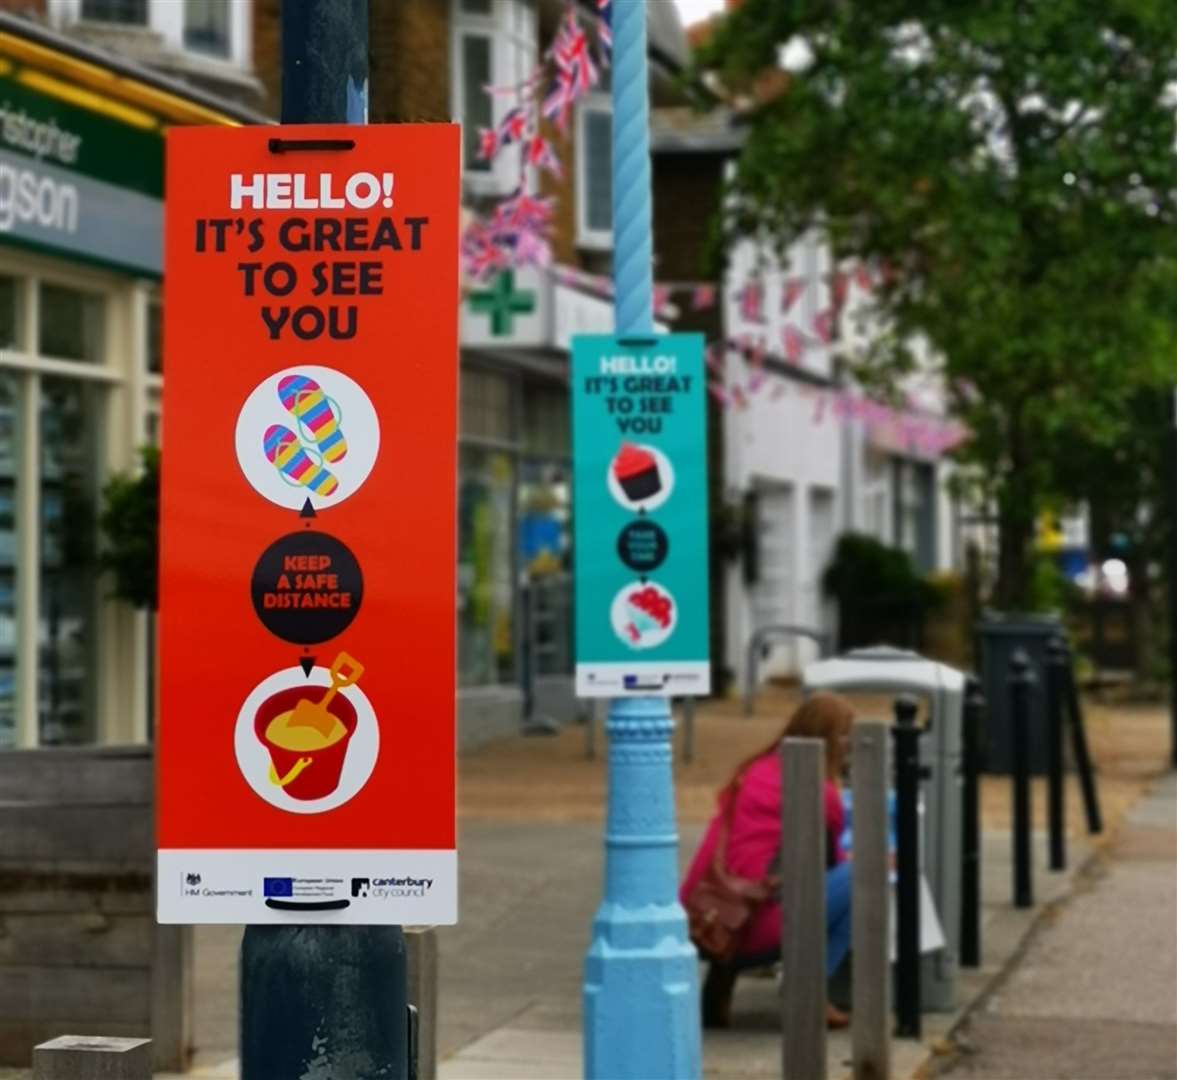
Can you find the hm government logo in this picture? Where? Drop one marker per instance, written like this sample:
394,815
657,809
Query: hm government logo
360,886
192,879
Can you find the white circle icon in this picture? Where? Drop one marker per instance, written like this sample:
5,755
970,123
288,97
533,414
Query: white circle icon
300,768
640,476
643,614
307,432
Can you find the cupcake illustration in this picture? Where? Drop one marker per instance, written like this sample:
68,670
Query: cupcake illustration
643,615
636,470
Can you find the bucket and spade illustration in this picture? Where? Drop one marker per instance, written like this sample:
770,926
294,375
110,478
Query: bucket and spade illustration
307,735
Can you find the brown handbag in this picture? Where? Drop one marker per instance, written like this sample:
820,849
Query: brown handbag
721,904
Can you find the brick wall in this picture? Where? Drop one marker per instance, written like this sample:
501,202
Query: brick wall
25,7
409,49
267,52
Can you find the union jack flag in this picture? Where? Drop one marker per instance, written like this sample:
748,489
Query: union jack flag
542,154
481,256
605,24
513,126
488,143
575,73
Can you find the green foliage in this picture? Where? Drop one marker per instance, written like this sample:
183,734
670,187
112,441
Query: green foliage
130,532
1013,164
879,593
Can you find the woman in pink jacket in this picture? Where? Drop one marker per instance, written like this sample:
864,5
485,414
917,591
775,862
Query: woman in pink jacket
754,842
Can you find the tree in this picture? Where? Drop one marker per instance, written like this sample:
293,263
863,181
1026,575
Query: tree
130,531
1011,166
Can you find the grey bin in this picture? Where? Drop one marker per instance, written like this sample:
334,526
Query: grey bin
998,636
884,670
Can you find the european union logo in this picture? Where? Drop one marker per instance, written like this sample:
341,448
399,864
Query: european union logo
278,886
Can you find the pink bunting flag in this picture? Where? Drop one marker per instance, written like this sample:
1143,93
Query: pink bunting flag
794,343
823,325
793,288
862,278
703,297
839,286
751,301
720,394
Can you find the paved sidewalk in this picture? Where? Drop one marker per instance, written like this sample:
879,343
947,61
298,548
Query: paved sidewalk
531,822
1095,995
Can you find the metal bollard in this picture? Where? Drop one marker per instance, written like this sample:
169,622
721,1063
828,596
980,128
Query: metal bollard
908,774
970,846
1056,676
1021,683
870,911
1080,751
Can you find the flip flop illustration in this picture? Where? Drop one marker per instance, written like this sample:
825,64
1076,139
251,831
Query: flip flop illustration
317,415
286,454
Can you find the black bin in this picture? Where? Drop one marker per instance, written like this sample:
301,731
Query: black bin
999,636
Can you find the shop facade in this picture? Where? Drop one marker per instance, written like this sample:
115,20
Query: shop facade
515,647
81,208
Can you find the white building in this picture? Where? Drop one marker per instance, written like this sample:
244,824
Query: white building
807,456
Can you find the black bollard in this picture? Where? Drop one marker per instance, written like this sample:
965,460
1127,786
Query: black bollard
970,846
1080,751
1021,683
1056,681
324,1001
907,867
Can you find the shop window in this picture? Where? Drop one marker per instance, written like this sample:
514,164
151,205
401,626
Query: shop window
594,174
71,324
486,585
206,27
130,12
155,337
9,456
71,461
486,405
10,337
545,421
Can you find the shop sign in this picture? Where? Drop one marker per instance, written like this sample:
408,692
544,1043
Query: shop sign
511,309
306,740
76,182
640,515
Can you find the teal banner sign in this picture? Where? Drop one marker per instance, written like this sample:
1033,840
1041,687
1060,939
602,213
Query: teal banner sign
640,511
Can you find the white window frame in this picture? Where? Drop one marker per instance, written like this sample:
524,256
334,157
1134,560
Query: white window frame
120,655
166,18
514,52
586,237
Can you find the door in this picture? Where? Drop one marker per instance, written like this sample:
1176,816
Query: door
774,595
822,532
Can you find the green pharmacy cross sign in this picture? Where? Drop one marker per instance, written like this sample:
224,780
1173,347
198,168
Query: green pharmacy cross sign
502,303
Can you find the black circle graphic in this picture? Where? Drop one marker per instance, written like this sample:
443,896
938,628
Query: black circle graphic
643,545
307,588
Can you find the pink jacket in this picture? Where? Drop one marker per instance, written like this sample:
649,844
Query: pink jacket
755,840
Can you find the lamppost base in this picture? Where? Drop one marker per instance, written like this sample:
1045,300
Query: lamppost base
324,1001
641,996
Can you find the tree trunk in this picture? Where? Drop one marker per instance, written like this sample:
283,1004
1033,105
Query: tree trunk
1016,504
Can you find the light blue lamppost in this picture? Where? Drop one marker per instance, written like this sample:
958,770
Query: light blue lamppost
641,985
